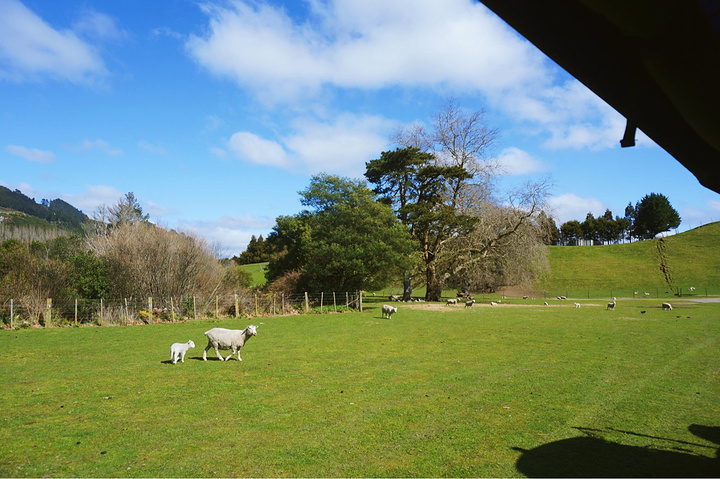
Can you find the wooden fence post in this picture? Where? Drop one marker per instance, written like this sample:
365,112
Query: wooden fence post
75,311
48,313
334,303
194,308
256,305
237,310
322,296
172,309
217,314
307,303
102,316
12,313
150,309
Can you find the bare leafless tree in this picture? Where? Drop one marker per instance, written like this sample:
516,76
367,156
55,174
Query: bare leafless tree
507,245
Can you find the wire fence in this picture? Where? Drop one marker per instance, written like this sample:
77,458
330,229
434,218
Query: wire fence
49,312
637,293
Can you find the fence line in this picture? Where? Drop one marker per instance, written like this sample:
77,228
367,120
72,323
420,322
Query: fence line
30,311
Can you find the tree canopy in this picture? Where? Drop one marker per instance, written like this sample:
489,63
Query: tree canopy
346,241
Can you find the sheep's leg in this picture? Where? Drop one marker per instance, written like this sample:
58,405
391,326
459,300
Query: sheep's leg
235,351
217,351
205,353
182,358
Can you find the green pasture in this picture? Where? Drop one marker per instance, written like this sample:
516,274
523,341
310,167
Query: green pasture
512,390
625,269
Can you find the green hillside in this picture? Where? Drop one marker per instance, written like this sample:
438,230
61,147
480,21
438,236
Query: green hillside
257,270
693,259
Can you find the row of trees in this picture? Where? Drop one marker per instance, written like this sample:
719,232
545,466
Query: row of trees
432,218
651,215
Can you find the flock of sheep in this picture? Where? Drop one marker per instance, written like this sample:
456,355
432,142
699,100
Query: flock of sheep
218,338
234,339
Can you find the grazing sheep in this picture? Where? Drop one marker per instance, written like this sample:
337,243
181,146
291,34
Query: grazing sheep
468,304
493,303
612,305
394,297
221,338
178,350
577,305
451,302
545,303
388,311
667,306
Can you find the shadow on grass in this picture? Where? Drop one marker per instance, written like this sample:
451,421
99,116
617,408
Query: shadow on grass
593,456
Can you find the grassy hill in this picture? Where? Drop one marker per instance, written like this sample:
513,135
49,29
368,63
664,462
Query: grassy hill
693,258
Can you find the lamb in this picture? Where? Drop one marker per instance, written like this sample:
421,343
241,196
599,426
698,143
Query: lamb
612,305
468,304
577,305
667,306
221,338
388,311
178,350
451,302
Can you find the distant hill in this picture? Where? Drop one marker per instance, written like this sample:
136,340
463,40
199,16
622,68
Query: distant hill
18,210
693,258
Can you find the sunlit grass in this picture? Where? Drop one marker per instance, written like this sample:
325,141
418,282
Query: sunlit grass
436,391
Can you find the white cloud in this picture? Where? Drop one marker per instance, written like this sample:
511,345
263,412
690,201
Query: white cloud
248,146
31,49
31,154
149,147
569,206
219,152
515,162
96,145
362,45
231,233
98,25
94,195
454,45
341,146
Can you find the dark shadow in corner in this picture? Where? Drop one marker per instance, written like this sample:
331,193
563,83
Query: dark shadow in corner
592,456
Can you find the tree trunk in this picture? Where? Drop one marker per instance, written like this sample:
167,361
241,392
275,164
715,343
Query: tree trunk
434,283
407,287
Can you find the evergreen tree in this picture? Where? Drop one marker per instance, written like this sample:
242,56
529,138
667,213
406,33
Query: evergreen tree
654,214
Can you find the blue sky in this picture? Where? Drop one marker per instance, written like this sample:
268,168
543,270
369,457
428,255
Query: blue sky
216,113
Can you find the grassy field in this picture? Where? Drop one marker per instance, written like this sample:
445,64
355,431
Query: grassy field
510,390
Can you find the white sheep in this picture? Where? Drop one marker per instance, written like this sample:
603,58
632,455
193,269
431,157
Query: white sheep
178,350
388,311
577,305
612,305
468,304
451,302
667,306
221,338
